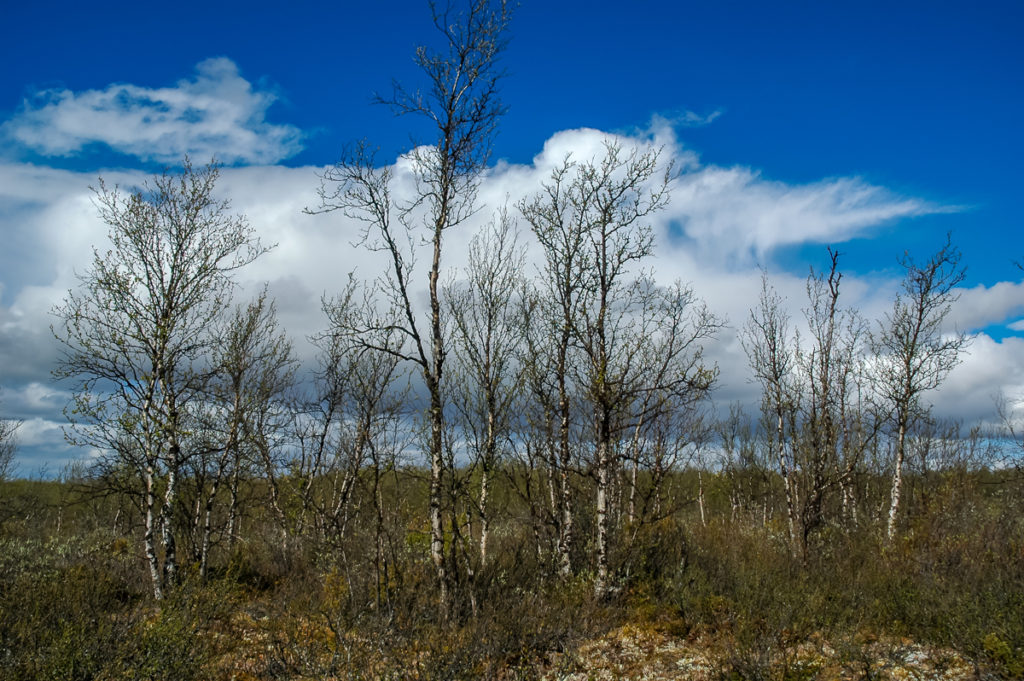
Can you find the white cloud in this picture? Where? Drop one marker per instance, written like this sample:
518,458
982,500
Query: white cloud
728,216
981,306
687,119
34,399
215,112
37,432
737,216
989,369
733,216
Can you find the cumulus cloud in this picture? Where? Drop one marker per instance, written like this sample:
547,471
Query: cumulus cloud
34,399
37,431
733,215
981,306
214,112
719,221
737,215
990,369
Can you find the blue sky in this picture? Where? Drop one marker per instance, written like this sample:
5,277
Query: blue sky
920,97
875,127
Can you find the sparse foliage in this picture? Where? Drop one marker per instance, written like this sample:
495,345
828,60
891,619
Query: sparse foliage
488,342
915,352
135,334
639,346
462,105
8,446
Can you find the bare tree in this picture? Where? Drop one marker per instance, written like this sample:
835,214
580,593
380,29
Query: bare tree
247,403
1010,416
766,341
487,339
663,412
322,469
738,459
461,103
816,419
634,340
354,416
136,338
257,368
8,446
552,320
1010,432
828,364
544,429
914,352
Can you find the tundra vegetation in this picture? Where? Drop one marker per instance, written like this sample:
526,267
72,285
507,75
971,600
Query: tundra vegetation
478,485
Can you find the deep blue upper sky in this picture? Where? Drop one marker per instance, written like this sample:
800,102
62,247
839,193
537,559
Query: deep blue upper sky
921,97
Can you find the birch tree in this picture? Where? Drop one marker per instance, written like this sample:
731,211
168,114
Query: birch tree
8,445
135,334
552,322
462,106
915,352
247,403
544,429
766,341
827,443
353,417
488,338
816,420
633,338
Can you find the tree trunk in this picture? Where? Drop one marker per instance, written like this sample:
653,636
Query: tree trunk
233,510
603,481
436,521
167,525
485,519
380,557
897,480
787,480
700,498
632,493
150,536
565,534
204,552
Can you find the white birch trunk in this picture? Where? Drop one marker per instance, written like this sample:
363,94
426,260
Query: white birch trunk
601,584
700,498
897,481
167,528
149,538
485,520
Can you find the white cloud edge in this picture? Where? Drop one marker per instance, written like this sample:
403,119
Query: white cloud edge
214,112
